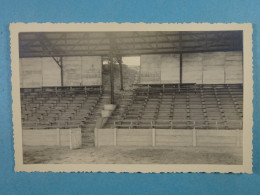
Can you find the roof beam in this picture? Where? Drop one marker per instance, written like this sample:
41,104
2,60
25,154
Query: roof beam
114,50
163,33
136,53
135,42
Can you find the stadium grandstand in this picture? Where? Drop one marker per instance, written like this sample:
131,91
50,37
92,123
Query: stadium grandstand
185,81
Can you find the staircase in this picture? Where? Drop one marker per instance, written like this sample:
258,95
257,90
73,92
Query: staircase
122,101
89,127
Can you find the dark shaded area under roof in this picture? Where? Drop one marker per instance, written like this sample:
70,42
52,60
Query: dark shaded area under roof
57,44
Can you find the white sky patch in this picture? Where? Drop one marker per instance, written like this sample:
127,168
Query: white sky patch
135,61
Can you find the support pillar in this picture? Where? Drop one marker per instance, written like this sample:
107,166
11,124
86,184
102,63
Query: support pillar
180,68
121,75
61,71
112,80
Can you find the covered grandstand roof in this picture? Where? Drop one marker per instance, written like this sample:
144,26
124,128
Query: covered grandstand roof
55,44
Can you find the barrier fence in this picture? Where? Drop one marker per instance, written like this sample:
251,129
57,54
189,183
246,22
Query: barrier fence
168,137
53,137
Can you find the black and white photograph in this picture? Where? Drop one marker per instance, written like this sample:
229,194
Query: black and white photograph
132,97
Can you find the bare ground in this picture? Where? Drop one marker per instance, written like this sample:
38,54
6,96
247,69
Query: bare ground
132,155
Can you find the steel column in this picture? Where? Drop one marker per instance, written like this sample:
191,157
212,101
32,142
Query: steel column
61,71
180,68
121,75
112,101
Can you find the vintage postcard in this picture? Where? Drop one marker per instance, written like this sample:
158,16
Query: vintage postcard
150,98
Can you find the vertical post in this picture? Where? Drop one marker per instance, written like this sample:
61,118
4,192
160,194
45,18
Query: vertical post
238,138
80,140
96,137
41,74
121,74
100,89
70,139
115,131
153,137
224,74
114,124
61,71
180,68
194,137
58,137
202,77
163,87
101,74
112,80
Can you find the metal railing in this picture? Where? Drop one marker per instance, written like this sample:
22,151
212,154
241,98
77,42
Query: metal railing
173,124
39,125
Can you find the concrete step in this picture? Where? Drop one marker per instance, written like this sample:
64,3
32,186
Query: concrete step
88,144
87,133
87,139
88,129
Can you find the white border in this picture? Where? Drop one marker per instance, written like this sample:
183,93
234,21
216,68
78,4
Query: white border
246,167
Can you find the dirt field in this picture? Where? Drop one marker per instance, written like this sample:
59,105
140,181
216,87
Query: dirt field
132,155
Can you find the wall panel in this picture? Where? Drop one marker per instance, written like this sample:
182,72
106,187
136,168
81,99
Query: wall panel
72,70
77,71
192,68
31,72
234,67
206,68
150,69
51,72
213,68
213,74
91,70
170,68
213,59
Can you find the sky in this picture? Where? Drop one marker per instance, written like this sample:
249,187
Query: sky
131,61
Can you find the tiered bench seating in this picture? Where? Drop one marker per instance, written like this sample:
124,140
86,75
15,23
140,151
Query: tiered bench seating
187,106
58,107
